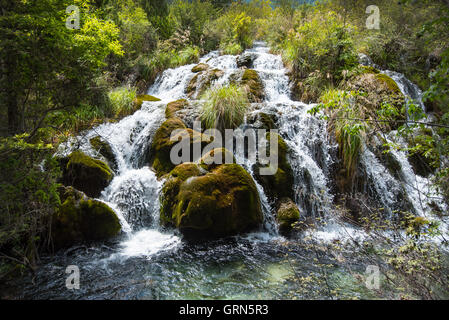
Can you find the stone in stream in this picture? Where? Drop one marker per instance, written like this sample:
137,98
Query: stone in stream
209,204
104,148
80,218
287,215
86,173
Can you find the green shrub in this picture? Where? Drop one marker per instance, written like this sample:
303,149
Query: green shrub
224,107
28,198
122,100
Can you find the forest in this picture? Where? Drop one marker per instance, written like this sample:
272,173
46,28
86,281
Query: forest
354,94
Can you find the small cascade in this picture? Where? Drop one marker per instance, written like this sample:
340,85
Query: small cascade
134,191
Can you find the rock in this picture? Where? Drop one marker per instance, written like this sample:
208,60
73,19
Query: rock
140,99
105,149
262,120
219,203
287,214
280,184
200,67
202,81
209,160
175,106
80,218
245,60
253,85
377,90
161,145
86,173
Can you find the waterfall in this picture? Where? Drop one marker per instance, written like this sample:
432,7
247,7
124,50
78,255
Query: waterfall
134,191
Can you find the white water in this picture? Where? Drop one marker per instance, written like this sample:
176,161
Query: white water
134,191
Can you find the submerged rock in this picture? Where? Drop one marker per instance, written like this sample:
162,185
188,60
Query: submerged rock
216,203
287,215
80,218
86,173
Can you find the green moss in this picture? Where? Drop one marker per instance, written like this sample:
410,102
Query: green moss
200,67
174,106
369,69
143,97
287,214
80,219
86,174
220,203
280,184
161,145
207,161
104,148
253,85
202,81
391,84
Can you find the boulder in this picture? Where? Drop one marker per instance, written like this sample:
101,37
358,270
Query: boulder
105,149
175,106
245,60
202,81
287,215
253,85
80,218
161,145
210,204
85,173
280,184
141,98
200,67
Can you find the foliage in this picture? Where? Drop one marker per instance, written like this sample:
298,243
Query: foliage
122,100
224,107
28,198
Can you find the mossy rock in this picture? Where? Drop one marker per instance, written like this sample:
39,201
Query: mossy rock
375,91
287,215
391,84
175,106
253,85
86,173
200,67
280,184
105,149
219,203
202,81
141,98
215,158
81,219
262,120
161,145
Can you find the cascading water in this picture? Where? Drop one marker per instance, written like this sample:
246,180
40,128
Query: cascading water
148,262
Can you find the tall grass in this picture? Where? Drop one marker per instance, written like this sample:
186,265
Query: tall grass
121,100
224,107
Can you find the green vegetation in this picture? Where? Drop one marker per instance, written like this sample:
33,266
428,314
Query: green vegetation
56,82
222,202
224,107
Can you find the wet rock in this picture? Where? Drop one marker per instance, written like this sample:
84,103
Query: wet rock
280,184
105,149
80,219
253,86
140,99
245,60
210,204
287,215
86,173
